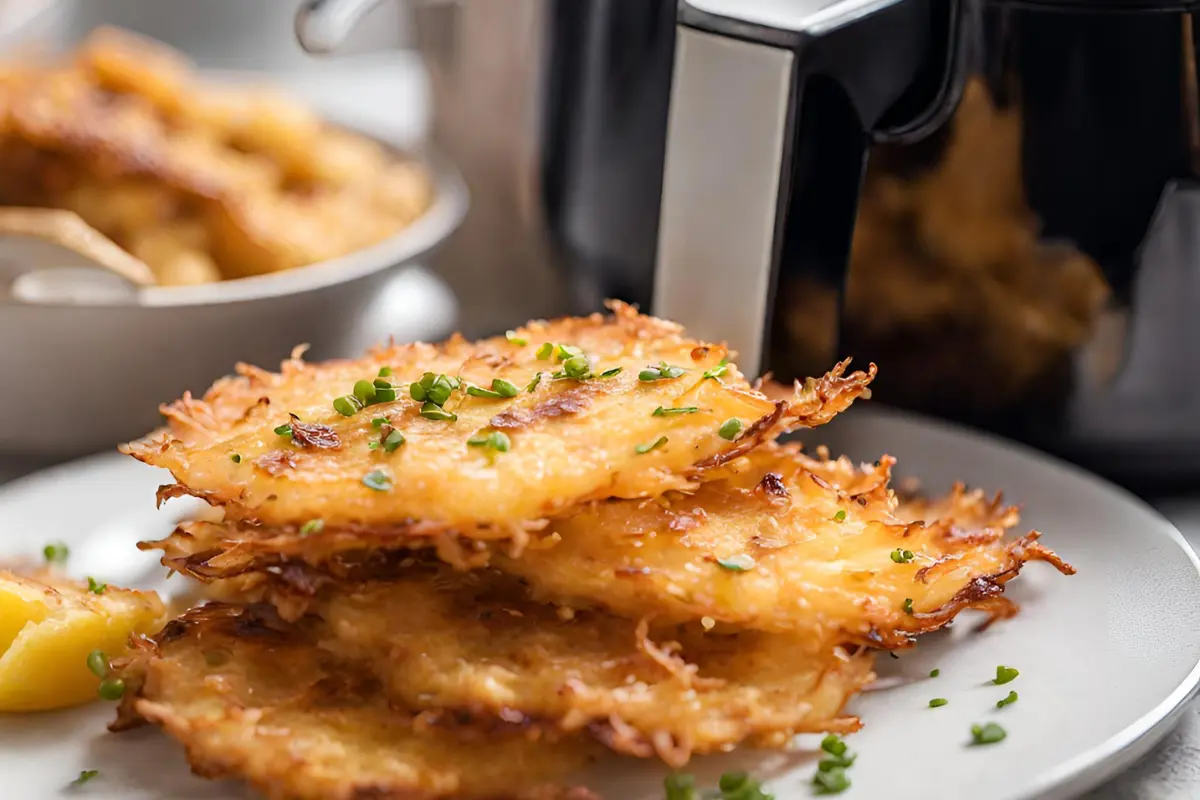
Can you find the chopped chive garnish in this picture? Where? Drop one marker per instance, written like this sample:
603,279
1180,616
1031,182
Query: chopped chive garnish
85,776
987,734
576,367
545,351
97,664
1008,700
938,702
495,440
565,352
393,440
347,405
284,430
378,480
517,340
312,526
56,553
235,458
611,372
379,422
830,777
533,383
1005,675
840,516
663,371
433,411
740,786
111,689
907,606
500,389
831,781
384,392
679,787
730,429
737,563
95,587
385,372
833,744
642,449
364,390
662,412
372,445
718,370
933,673
902,556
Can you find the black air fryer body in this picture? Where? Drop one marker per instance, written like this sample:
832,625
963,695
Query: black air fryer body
1030,266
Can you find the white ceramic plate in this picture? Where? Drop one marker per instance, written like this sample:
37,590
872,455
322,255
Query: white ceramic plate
1107,657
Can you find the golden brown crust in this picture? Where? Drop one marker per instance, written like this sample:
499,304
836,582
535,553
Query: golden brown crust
474,645
570,441
250,697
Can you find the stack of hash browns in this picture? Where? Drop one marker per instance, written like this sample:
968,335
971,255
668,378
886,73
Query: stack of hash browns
578,537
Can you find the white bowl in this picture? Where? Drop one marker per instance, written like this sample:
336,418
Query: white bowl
82,373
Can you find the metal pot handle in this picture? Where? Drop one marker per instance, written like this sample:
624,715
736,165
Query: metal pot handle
773,108
321,25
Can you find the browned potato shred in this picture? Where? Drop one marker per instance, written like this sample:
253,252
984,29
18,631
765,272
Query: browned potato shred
615,577
201,182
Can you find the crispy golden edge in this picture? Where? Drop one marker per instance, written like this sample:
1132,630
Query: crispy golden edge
749,706
813,402
237,630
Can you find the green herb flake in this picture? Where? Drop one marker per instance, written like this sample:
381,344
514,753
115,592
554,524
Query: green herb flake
990,733
907,605
384,392
533,383
235,458
514,339
494,440
679,787
933,673
741,562
730,429
718,370
378,480
831,781
97,664
642,449
1008,700
95,587
902,556
576,367
840,516
663,412
938,702
612,372
311,527
500,389
663,371
433,411
545,351
56,553
833,744
347,405
85,776
393,440
740,786
379,422
284,430
364,390
1005,675
649,375
385,372
111,689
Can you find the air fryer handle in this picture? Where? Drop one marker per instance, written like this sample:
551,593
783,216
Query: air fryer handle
767,140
